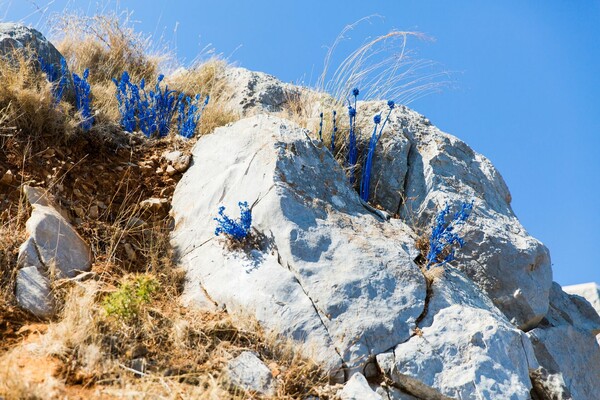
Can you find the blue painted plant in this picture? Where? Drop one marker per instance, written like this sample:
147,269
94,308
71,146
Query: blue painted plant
189,114
321,127
83,98
235,229
157,109
444,238
352,148
365,183
128,97
57,76
333,132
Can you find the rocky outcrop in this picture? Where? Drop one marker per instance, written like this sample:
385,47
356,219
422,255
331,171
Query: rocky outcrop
256,92
14,36
53,250
419,169
339,277
327,271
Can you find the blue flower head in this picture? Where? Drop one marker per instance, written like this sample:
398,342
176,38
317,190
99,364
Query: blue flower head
355,92
352,112
377,119
391,104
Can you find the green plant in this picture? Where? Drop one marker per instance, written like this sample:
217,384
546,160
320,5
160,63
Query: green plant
125,303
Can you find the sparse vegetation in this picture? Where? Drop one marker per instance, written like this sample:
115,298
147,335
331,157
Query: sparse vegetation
123,328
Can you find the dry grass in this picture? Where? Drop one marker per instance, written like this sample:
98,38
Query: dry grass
28,107
207,78
107,45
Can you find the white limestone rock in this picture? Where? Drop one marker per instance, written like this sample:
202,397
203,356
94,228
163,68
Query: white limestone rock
248,372
357,388
465,348
566,348
256,92
590,291
33,292
418,169
53,250
60,247
328,273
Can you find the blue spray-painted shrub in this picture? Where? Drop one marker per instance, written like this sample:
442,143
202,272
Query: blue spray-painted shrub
157,109
128,97
189,114
352,148
83,98
235,229
444,238
365,183
333,132
57,76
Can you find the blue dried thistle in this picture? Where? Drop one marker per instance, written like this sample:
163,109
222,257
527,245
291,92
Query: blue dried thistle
352,159
365,182
333,132
321,127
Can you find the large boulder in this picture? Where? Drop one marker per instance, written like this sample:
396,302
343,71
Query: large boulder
418,169
465,348
325,271
18,37
566,348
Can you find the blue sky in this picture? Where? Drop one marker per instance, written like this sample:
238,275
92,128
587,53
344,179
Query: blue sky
525,84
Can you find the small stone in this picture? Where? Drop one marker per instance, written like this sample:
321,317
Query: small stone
182,163
159,171
7,178
248,372
154,204
94,212
172,156
131,255
170,170
139,366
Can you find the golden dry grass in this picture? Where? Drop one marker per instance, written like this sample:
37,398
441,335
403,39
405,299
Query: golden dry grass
207,78
28,106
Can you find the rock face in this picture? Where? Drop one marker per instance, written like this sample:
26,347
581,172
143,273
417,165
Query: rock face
318,276
566,348
15,36
465,348
53,250
335,275
256,92
418,169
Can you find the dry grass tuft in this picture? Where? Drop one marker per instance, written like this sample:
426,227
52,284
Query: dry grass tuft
108,46
27,105
207,78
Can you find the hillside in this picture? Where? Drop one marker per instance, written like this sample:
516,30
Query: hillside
216,233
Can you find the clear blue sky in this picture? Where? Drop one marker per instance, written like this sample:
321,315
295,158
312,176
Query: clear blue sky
525,92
